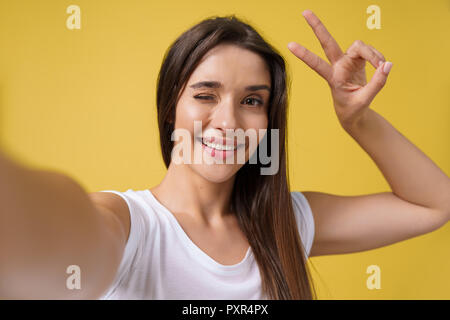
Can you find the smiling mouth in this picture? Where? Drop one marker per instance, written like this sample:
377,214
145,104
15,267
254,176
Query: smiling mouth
219,150
216,145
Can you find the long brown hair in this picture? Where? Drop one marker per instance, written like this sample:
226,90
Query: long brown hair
262,203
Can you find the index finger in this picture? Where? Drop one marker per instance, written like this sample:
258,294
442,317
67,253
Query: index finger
329,45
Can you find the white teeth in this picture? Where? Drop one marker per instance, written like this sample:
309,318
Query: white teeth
218,146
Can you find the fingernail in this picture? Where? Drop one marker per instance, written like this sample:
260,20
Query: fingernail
387,67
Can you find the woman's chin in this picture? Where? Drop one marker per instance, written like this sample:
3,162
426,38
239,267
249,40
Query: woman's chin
216,173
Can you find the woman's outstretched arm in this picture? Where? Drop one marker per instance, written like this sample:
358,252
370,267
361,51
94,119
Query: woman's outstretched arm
48,229
420,197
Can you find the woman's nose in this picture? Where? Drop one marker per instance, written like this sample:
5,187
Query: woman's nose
225,116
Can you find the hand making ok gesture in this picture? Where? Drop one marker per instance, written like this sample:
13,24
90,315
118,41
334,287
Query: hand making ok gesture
346,75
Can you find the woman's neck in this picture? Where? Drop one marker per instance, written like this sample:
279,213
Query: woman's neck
185,191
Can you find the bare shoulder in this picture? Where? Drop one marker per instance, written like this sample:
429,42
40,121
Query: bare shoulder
114,208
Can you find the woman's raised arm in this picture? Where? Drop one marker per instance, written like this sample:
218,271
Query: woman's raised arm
420,197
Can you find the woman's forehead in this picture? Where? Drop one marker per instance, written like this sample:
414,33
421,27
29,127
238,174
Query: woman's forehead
230,64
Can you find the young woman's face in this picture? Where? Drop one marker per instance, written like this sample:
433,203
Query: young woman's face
236,97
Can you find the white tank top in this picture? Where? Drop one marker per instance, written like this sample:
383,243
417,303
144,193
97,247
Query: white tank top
160,261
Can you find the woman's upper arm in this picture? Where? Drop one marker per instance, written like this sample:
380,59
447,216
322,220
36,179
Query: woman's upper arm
115,211
115,217
346,224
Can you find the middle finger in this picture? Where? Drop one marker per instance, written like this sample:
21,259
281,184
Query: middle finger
329,45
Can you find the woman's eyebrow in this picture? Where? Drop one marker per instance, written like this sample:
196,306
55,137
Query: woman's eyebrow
217,84
258,87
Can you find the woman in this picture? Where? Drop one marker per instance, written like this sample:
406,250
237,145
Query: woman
227,231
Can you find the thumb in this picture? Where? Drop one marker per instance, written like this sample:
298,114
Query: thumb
377,82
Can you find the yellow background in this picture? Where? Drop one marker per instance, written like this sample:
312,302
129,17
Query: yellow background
83,102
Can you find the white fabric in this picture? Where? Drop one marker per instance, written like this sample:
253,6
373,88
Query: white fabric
161,262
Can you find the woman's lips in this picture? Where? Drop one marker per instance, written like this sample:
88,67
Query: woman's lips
216,153
220,140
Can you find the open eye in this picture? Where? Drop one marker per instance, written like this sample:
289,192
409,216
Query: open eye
257,101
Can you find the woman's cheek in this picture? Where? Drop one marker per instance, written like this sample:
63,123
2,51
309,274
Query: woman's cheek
257,123
187,113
